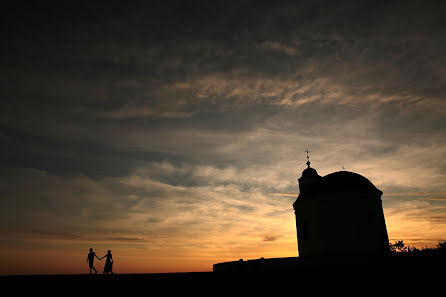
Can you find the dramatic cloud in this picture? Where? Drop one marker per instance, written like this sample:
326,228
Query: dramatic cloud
173,133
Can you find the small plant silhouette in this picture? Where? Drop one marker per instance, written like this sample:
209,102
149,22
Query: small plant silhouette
400,247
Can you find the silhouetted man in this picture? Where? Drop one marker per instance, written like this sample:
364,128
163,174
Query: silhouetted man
90,260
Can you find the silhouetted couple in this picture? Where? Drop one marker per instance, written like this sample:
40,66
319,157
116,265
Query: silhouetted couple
108,262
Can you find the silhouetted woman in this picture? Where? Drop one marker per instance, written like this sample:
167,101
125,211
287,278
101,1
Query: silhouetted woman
108,263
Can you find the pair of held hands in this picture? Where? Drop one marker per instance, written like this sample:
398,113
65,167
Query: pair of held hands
111,259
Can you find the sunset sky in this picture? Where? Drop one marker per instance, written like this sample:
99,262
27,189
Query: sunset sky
173,133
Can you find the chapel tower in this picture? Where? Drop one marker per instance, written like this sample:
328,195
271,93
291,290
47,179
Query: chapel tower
339,214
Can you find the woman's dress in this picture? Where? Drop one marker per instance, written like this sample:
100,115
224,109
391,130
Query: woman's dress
108,264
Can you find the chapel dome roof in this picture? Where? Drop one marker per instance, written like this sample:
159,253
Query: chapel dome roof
345,181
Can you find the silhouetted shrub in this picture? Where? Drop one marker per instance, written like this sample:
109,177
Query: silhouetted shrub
400,247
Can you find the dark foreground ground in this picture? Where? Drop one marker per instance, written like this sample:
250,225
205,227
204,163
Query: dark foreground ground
352,283
391,276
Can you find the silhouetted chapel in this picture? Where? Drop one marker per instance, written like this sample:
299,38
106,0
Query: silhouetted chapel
339,214
338,217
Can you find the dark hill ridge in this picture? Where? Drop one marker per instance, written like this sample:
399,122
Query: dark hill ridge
401,275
